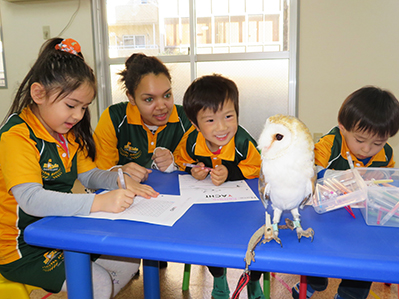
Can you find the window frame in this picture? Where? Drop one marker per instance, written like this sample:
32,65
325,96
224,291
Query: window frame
103,61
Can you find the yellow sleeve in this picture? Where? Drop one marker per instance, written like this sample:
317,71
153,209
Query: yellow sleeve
19,158
106,142
392,162
180,154
84,162
250,167
322,150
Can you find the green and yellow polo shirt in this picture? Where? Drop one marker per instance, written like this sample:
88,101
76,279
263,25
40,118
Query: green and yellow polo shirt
330,153
122,137
240,155
29,154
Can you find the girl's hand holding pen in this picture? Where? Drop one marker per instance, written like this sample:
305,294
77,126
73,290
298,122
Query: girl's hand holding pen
114,201
119,200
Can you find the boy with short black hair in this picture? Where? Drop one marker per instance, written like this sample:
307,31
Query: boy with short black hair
367,118
218,146
216,140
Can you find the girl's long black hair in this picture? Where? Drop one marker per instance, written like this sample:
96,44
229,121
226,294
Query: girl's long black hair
61,72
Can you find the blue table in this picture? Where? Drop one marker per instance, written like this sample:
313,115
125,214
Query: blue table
217,235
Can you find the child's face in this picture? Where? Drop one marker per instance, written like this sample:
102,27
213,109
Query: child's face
218,128
363,144
154,99
59,116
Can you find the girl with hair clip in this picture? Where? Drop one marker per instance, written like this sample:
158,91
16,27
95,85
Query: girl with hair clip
46,144
143,132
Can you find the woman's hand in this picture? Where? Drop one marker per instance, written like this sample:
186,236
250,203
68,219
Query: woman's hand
162,157
137,172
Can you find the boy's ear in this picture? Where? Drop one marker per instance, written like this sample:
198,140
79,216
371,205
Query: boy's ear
195,126
341,127
131,98
38,93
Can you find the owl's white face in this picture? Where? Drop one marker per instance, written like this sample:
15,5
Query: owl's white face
274,140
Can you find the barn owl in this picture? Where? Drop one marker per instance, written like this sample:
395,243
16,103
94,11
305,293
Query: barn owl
287,173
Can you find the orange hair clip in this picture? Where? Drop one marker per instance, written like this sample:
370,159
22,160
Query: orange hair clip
69,45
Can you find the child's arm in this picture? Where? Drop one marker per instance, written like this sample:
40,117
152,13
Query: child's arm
181,155
322,151
249,167
391,163
107,154
102,179
36,201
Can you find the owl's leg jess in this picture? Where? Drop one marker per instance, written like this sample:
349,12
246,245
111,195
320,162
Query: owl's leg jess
276,219
309,233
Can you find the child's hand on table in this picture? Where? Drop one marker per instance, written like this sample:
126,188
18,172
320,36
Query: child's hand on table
139,189
200,172
118,200
114,201
219,175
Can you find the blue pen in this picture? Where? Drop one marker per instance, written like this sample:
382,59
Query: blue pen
99,191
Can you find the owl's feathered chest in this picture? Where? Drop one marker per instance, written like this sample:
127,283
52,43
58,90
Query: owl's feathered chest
288,179
293,163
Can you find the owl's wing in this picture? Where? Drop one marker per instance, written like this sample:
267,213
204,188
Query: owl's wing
310,189
264,192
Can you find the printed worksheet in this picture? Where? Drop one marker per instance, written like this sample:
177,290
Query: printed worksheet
162,210
206,192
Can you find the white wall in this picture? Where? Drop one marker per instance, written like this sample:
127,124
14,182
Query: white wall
22,24
343,45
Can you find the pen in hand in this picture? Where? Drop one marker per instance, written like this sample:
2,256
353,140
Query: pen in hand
121,178
195,165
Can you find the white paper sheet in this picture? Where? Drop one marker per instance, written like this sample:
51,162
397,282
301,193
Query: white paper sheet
167,209
205,191
162,210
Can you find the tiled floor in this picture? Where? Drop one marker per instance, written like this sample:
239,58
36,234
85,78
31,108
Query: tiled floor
201,286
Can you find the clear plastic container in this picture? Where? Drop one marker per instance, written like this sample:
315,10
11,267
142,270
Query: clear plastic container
339,190
381,207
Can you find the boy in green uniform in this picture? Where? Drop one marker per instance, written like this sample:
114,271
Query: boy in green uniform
367,118
218,147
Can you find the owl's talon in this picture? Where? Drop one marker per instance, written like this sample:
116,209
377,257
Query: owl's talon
275,238
309,233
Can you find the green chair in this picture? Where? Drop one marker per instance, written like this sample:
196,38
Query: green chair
186,281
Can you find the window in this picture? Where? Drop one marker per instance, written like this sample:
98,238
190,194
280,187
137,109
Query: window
133,41
253,42
3,79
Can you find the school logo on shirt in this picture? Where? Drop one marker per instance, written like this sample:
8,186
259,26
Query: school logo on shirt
50,170
52,259
130,152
